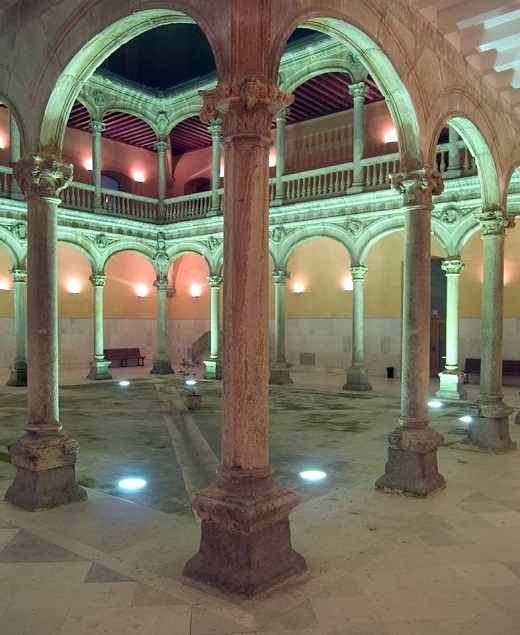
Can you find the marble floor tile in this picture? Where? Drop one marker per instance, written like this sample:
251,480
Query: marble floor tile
159,620
31,621
102,621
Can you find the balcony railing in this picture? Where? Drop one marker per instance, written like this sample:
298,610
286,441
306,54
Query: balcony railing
337,180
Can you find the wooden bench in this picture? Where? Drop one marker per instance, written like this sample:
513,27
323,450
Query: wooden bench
122,355
509,367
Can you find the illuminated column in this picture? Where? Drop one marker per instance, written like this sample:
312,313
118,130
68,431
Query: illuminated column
19,368
161,363
214,363
451,384
245,544
279,369
281,119
411,466
161,147
358,92
453,151
45,459
215,130
14,150
96,128
489,431
357,373
99,365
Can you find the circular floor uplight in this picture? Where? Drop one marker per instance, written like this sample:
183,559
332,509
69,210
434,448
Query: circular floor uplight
435,404
124,382
312,475
466,419
190,382
132,484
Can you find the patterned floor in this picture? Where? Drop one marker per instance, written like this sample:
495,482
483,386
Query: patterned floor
378,563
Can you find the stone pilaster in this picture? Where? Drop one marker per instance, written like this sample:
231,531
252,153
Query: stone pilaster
18,376
162,364
99,365
96,128
44,458
161,147
245,544
279,371
358,91
411,466
489,431
281,120
357,373
215,130
451,383
213,365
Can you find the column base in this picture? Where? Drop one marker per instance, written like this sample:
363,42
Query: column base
18,374
213,369
45,473
411,466
162,366
488,435
279,373
99,369
357,379
451,385
245,545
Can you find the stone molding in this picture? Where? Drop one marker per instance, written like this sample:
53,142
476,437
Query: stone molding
96,127
160,284
358,272
452,266
418,187
98,280
281,276
214,281
19,275
358,90
161,146
41,177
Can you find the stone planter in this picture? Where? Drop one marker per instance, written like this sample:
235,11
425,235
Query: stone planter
194,402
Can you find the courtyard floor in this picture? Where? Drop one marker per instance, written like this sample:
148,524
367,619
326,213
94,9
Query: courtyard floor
377,563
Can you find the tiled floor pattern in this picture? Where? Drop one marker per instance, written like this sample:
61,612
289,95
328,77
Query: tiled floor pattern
378,563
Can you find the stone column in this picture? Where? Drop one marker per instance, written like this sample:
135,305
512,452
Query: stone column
99,365
45,459
14,154
214,363
281,120
451,384
161,147
358,92
161,363
19,368
411,466
279,372
96,128
357,374
215,130
454,165
489,431
245,544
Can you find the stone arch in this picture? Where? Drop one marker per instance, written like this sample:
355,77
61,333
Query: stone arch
17,252
129,245
335,65
378,231
182,250
13,104
283,252
79,243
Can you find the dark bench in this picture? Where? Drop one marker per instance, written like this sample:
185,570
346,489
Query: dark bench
509,367
122,355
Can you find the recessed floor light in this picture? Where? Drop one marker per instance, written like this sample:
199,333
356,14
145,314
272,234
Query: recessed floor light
124,383
312,475
466,419
435,404
132,483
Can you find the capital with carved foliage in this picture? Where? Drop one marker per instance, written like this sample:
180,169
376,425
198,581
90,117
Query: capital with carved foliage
214,281
283,114
161,146
98,280
19,275
161,284
41,177
281,276
96,127
418,186
358,90
358,272
494,222
452,266
215,128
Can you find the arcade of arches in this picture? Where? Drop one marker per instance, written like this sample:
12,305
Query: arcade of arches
333,161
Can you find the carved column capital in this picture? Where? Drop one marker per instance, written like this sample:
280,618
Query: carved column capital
215,128
19,275
452,266
96,127
358,272
161,146
418,186
41,177
358,90
283,114
214,281
281,276
98,280
493,222
160,284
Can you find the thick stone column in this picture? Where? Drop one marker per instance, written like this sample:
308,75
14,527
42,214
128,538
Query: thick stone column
411,466
279,371
96,128
245,544
99,365
451,384
14,154
45,459
215,130
489,431
357,373
19,368
214,363
281,120
162,364
161,147
358,92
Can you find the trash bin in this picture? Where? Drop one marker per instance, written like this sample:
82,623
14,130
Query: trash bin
389,372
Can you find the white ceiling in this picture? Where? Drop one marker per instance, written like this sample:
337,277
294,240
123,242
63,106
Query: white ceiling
487,33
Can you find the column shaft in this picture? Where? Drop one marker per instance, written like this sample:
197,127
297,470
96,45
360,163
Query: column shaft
215,129
453,152
96,128
161,147
279,371
213,365
18,375
161,363
99,365
358,91
14,152
357,374
281,121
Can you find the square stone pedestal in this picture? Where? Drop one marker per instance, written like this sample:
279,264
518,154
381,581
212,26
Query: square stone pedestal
18,375
488,435
357,379
162,366
279,373
451,385
245,545
99,369
213,369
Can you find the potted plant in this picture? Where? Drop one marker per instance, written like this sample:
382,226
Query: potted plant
193,399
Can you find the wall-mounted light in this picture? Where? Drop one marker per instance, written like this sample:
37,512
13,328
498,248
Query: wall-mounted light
2,143
88,165
272,158
390,136
138,176
4,285
298,287
221,173
195,290
141,290
73,286
348,284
